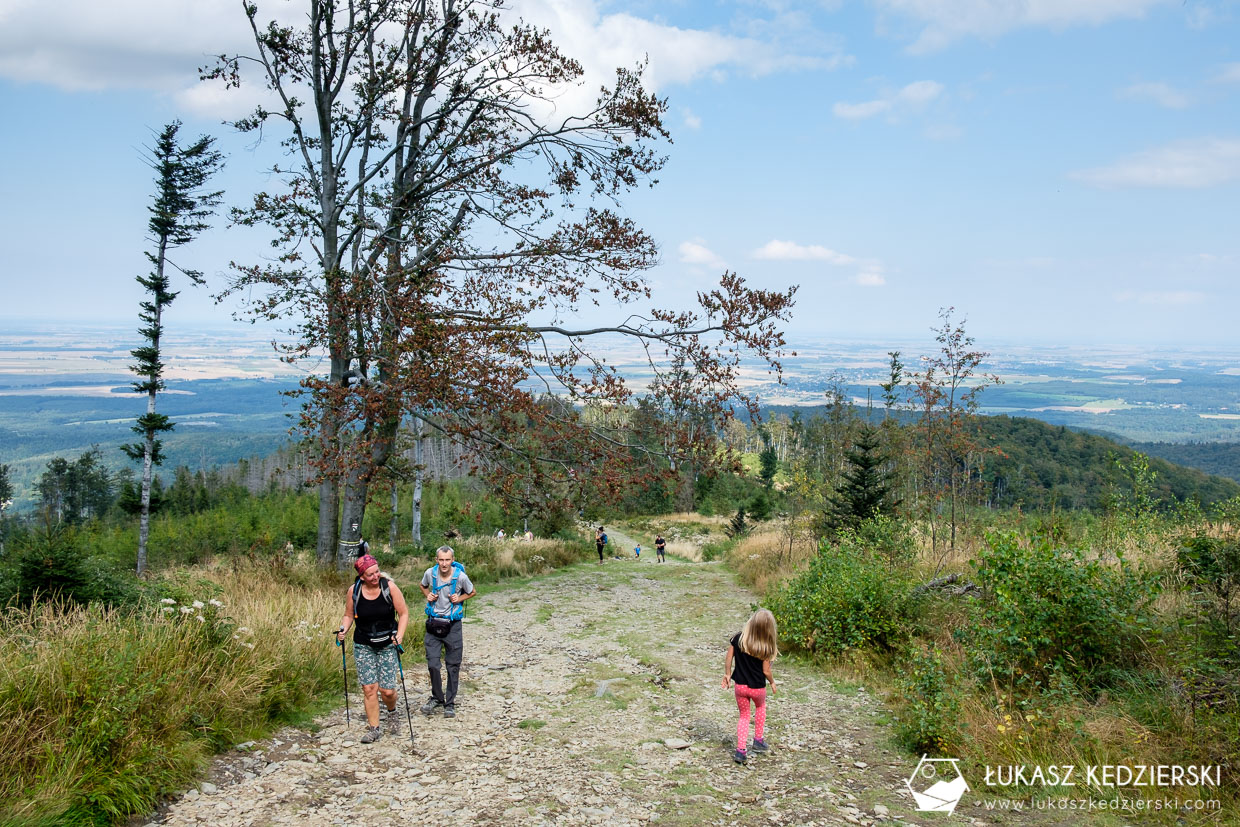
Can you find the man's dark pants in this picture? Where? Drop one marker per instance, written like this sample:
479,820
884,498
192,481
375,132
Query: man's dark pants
452,648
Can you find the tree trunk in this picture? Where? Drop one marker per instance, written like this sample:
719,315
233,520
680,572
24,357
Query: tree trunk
419,437
148,454
392,523
352,512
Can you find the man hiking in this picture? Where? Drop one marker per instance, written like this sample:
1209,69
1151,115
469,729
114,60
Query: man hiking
376,609
446,587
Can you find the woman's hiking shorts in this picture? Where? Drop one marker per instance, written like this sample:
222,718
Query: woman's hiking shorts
375,665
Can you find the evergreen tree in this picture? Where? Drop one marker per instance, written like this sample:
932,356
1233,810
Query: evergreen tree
769,460
6,500
863,492
178,215
72,492
738,525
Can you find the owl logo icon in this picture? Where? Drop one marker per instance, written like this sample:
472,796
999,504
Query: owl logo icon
937,785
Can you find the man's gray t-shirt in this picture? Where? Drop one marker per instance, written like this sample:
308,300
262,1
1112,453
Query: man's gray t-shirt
442,606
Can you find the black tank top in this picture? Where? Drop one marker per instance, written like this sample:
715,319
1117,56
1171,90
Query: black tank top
375,621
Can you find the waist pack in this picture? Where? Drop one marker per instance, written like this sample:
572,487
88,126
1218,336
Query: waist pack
381,639
438,626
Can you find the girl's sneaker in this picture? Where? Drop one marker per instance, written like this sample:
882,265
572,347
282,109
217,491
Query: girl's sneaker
759,746
739,756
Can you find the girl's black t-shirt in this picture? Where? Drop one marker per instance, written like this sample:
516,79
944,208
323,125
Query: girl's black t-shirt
375,620
746,669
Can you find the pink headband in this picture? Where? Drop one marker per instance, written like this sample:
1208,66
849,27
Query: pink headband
364,562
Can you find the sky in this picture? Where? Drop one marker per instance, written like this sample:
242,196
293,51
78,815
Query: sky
1059,171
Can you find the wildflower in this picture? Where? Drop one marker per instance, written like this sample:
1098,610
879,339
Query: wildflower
167,609
197,604
1002,728
200,618
186,610
248,645
245,630
168,601
217,604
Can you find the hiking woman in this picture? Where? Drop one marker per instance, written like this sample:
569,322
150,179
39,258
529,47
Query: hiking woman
376,609
748,665
600,540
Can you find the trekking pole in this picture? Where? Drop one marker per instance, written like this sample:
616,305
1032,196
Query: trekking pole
344,672
400,650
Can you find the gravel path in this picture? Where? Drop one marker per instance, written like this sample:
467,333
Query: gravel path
588,696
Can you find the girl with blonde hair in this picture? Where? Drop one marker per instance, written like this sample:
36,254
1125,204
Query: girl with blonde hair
748,666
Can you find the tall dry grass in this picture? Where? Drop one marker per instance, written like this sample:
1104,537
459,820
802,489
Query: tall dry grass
764,559
107,711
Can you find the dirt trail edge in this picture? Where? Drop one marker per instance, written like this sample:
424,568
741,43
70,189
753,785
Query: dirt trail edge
592,695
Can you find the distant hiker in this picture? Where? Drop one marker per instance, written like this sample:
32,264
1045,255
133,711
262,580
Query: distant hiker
748,665
600,540
660,545
376,609
446,587
529,536
499,534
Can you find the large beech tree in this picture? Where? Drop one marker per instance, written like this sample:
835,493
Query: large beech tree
439,219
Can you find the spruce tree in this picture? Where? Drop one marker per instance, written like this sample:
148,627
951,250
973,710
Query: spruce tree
178,214
769,462
6,500
863,492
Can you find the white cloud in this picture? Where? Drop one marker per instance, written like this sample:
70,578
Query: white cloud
942,22
691,120
913,97
1188,164
861,111
776,250
1229,73
159,45
697,253
1161,297
145,44
870,278
1159,93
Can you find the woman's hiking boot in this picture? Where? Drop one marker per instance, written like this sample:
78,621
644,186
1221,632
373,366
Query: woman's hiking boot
759,746
373,733
739,756
393,720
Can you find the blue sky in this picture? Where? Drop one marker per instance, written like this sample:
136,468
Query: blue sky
1058,170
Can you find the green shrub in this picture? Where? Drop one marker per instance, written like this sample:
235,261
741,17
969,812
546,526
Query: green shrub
52,564
848,598
717,549
1048,609
928,719
1212,563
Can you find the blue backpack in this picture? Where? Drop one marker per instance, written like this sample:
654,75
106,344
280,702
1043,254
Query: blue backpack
458,609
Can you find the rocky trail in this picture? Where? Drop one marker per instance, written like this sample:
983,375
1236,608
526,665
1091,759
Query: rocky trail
589,696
